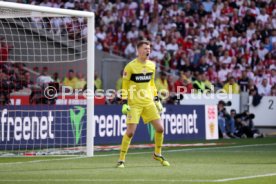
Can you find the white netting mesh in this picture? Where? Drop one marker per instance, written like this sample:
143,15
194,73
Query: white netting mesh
44,131
45,39
19,13
40,50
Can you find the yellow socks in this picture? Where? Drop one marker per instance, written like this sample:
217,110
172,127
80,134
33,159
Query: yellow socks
124,147
158,142
126,142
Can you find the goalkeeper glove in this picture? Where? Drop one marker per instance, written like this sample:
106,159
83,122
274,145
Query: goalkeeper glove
125,108
158,104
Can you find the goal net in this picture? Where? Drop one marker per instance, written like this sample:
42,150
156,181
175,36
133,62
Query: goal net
46,66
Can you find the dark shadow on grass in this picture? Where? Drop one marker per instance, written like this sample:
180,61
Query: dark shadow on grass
141,166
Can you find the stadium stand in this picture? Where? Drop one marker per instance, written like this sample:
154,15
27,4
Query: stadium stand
229,44
223,39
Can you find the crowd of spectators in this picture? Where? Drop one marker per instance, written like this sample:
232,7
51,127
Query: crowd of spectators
232,43
13,76
228,44
73,80
74,28
17,76
198,44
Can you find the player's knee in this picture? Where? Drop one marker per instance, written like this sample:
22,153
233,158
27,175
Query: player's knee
160,130
130,134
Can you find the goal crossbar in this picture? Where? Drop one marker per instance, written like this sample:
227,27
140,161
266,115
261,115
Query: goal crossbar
41,10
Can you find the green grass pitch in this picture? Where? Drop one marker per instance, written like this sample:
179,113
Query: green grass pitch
244,161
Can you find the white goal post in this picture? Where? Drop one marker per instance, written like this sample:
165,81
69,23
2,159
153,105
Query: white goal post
16,11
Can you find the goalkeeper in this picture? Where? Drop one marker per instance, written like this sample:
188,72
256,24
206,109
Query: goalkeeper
139,98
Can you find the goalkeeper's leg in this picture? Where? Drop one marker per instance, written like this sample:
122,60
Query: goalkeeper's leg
125,144
159,137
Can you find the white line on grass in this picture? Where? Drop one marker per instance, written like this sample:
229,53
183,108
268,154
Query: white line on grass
140,153
245,177
143,180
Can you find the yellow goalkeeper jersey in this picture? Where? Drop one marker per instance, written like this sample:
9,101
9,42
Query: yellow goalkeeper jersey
138,83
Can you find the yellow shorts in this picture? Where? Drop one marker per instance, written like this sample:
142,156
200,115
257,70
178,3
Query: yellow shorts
148,113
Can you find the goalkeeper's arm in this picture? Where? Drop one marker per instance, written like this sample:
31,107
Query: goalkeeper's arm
124,96
158,104
157,101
